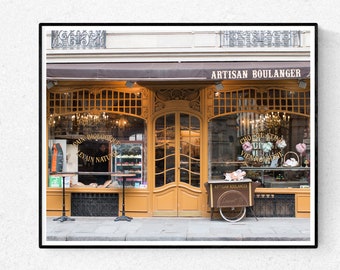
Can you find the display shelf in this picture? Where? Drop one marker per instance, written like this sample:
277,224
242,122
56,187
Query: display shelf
218,168
282,176
129,160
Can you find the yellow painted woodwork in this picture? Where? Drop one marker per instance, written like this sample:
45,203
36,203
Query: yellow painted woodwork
165,200
54,203
188,200
302,205
136,202
176,199
51,213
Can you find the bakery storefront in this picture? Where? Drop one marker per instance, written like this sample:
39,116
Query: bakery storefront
172,127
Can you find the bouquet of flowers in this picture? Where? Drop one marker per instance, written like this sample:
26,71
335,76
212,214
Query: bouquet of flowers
235,176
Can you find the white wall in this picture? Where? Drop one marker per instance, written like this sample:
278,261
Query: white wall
19,122
155,44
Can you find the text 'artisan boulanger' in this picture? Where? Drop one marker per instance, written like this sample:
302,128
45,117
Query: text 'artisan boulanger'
256,74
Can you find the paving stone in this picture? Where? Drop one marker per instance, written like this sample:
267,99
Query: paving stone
178,229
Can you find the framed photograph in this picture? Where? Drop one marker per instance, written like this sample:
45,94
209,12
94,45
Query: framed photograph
178,135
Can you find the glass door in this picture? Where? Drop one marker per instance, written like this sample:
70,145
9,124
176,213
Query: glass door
189,150
177,164
165,145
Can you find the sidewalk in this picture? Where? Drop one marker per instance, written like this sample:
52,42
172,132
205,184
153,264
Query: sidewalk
178,229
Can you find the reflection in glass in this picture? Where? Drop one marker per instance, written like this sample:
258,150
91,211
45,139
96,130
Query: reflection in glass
177,154
159,180
170,162
170,176
165,150
190,150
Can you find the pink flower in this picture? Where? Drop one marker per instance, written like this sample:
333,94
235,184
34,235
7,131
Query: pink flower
247,147
301,148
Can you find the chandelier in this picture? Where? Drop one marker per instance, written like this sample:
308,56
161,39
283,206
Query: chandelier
86,122
89,119
271,122
274,120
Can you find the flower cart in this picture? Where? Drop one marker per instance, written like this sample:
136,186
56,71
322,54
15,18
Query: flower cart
231,198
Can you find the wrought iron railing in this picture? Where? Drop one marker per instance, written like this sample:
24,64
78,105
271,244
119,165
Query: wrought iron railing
78,39
94,204
257,38
273,205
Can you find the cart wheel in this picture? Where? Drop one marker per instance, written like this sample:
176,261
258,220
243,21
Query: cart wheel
233,214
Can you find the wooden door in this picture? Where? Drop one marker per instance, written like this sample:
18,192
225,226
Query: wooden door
177,161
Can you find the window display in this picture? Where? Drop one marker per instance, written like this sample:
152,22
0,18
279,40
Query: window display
98,143
272,148
129,159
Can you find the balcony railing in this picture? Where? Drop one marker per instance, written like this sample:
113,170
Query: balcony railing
78,39
276,39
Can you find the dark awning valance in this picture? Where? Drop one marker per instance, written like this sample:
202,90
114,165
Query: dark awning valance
180,71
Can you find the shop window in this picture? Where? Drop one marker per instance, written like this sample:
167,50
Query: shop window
83,119
260,116
121,138
223,145
229,134
269,99
102,100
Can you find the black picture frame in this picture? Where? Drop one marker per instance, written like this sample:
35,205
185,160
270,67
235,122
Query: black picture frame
313,59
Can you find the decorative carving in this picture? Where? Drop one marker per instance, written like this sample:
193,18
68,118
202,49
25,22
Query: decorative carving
210,92
261,38
76,39
144,92
195,105
159,105
145,112
192,96
210,112
177,94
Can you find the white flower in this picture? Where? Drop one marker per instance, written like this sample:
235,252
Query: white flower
267,147
281,143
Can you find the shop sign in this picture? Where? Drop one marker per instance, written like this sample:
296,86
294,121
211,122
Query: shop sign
231,186
97,137
256,74
266,156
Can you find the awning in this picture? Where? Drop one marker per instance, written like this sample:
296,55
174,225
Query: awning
214,71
